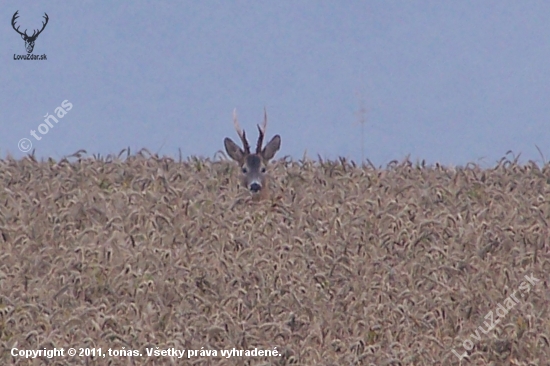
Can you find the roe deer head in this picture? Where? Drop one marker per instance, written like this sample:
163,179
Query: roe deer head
253,166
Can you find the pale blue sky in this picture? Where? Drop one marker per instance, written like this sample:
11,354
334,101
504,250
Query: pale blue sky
446,81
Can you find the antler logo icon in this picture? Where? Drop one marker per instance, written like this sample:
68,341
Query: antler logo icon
29,40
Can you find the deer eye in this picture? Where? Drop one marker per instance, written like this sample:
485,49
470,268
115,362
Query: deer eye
244,170
263,169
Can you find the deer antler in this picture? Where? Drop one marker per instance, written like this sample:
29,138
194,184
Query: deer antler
43,26
240,132
15,16
34,34
261,131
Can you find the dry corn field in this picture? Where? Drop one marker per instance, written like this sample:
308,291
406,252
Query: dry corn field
342,265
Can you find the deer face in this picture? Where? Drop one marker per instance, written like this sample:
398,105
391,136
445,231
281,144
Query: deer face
254,172
29,42
253,166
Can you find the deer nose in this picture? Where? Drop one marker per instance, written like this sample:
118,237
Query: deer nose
255,187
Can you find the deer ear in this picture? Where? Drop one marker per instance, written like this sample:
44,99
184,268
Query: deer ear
271,148
233,150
